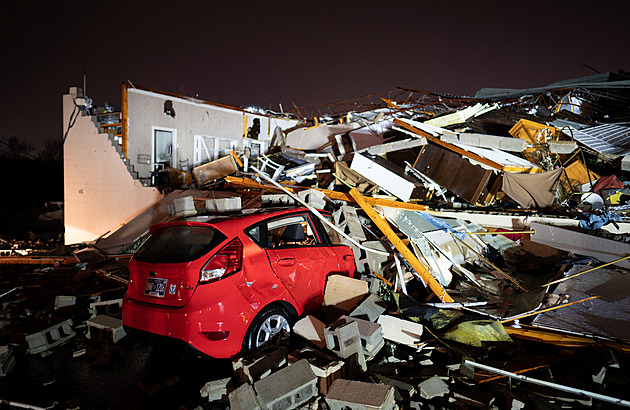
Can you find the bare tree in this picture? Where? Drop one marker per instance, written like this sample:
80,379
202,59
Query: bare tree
52,151
15,148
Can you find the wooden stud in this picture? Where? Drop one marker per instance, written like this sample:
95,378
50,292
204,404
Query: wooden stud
123,120
383,225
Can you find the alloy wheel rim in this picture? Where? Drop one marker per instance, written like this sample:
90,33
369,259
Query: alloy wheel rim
272,325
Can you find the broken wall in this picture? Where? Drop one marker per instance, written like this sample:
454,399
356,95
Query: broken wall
190,120
100,195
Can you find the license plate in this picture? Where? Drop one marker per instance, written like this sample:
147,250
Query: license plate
156,287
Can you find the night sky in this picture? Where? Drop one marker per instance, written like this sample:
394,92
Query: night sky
272,52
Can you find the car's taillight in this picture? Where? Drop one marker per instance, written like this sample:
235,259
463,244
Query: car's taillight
224,262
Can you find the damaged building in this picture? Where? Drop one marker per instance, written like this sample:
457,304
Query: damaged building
117,157
425,250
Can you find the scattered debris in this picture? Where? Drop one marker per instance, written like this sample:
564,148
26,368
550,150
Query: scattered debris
482,229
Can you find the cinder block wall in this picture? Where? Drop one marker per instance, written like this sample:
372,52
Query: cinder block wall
100,194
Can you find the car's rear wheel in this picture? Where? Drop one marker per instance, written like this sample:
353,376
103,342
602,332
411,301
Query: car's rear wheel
269,322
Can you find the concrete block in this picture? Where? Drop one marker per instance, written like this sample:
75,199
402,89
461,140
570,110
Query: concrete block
433,387
400,330
343,339
356,395
347,220
277,199
111,308
625,163
184,206
364,260
408,143
313,197
288,388
244,398
402,390
371,335
105,329
564,147
51,337
517,405
216,390
326,367
223,205
64,301
371,308
344,293
311,329
259,364
7,360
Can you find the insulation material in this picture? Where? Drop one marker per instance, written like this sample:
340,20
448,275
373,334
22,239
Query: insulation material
477,332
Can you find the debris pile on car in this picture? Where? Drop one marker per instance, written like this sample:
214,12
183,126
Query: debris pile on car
490,241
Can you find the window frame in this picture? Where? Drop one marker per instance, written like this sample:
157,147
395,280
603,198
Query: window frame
319,233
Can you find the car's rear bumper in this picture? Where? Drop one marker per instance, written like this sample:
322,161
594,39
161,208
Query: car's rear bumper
195,324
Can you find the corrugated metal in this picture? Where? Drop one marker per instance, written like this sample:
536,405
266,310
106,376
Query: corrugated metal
612,139
494,94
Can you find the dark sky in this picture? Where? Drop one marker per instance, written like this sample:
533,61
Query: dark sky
271,52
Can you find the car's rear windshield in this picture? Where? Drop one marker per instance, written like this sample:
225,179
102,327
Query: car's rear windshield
178,243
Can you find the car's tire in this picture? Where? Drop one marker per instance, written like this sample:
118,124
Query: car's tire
267,323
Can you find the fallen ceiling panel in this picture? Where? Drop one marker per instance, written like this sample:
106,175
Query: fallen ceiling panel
605,250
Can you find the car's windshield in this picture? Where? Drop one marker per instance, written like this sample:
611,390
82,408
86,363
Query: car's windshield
178,243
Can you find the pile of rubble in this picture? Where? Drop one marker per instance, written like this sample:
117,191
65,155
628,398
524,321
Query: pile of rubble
490,240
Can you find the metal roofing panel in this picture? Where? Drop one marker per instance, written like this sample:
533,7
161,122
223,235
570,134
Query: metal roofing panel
613,139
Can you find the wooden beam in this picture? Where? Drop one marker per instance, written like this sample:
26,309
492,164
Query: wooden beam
123,119
36,260
449,146
334,195
248,183
383,225
560,339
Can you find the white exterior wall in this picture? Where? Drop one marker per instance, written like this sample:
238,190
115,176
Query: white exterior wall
100,194
145,113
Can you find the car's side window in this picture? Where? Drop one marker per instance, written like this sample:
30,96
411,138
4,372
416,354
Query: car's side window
255,233
292,231
334,236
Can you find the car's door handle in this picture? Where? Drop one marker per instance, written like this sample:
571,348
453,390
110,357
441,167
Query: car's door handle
287,261
348,257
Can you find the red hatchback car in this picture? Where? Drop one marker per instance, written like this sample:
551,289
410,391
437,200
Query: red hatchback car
226,284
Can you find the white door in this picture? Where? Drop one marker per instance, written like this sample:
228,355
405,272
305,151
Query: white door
163,145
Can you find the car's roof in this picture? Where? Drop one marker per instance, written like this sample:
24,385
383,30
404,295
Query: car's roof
243,218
